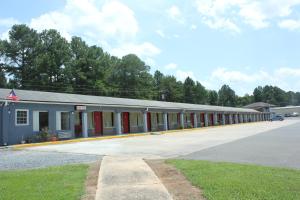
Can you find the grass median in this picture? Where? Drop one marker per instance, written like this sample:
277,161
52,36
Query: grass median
223,181
63,182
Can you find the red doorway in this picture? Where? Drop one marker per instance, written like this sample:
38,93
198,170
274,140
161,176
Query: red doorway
149,121
98,121
192,120
126,122
202,118
212,119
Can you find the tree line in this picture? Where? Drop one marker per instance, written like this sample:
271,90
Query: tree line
46,61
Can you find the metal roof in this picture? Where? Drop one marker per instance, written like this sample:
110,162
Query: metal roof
76,99
259,105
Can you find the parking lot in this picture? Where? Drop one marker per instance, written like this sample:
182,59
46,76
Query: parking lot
277,141
279,147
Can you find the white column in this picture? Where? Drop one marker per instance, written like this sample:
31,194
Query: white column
260,117
215,119
241,118
165,117
236,118
118,122
145,122
84,125
205,119
195,120
230,118
223,119
182,120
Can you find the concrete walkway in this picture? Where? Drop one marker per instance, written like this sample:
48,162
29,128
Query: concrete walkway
128,178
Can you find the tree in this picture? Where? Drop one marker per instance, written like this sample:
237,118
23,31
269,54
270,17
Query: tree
173,89
54,54
19,54
133,78
212,97
188,89
2,79
258,94
158,86
201,94
245,100
227,96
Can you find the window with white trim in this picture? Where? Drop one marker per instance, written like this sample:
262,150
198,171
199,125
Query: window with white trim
22,117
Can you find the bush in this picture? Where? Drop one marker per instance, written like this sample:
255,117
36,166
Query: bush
42,136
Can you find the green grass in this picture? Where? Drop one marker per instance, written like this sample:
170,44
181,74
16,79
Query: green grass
64,182
237,181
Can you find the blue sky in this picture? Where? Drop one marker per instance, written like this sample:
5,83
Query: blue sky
243,43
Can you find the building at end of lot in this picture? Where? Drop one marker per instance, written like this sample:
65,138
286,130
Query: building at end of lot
287,110
74,116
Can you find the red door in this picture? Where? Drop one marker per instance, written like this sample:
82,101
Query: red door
98,122
125,122
202,117
149,121
212,119
192,119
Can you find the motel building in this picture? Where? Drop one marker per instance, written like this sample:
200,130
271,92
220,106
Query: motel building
80,116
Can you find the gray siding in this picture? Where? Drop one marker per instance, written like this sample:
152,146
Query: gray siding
14,133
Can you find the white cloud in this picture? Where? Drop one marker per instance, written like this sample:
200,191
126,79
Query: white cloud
8,22
175,13
160,33
111,24
227,14
182,75
193,27
112,20
171,66
289,24
143,50
286,72
253,15
244,82
223,24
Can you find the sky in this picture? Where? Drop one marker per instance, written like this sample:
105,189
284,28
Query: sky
242,43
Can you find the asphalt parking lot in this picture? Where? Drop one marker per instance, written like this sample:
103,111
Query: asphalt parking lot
278,147
269,143
168,145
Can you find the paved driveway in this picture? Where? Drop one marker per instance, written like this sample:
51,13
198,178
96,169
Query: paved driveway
167,145
278,147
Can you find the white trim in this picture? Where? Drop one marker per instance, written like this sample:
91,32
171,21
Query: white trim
58,120
16,111
36,120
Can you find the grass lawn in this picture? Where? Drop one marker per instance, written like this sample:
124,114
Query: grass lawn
64,182
237,181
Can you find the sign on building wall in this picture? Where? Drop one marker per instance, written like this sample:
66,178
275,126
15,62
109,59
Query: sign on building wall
80,108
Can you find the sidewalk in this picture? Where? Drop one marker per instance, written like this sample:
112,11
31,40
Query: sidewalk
128,178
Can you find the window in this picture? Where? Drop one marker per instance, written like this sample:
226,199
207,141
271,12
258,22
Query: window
90,120
21,117
159,118
108,119
136,119
65,121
